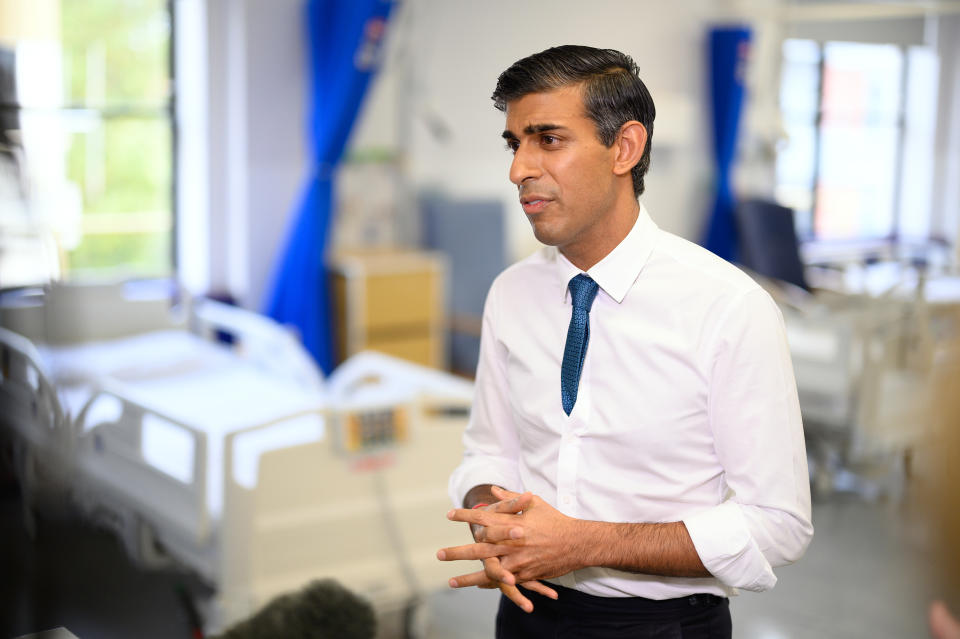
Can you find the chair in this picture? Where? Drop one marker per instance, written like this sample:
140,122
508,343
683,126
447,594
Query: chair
768,241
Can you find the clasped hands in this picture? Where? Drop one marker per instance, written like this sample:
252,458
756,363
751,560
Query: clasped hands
520,540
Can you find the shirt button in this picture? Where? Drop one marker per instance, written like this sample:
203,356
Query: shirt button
567,500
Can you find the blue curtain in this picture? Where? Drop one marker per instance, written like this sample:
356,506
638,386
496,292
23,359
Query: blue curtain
345,38
729,47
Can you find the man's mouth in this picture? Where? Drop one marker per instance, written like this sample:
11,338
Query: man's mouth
534,204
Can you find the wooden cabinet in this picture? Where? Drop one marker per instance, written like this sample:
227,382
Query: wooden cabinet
391,301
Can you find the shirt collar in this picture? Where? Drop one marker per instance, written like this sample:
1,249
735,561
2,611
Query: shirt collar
617,272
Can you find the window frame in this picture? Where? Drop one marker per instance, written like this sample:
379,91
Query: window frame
893,234
165,111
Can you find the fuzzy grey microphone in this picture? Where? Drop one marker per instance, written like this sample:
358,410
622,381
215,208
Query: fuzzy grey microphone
322,609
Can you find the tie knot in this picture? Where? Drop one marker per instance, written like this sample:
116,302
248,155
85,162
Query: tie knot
582,291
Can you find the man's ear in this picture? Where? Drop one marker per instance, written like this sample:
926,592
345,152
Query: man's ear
630,144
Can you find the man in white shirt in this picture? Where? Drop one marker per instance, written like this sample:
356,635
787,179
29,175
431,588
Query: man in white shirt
634,492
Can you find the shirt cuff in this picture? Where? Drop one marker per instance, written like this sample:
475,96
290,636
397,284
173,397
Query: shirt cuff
727,549
474,471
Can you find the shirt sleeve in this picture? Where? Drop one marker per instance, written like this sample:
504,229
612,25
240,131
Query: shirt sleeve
755,417
491,447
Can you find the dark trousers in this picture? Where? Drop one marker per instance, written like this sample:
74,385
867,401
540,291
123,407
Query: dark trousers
576,615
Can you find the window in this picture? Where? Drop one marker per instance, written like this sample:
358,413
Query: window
91,97
859,120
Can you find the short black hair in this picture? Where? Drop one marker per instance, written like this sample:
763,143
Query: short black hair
613,92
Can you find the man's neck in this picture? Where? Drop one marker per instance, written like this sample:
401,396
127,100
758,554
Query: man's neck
615,233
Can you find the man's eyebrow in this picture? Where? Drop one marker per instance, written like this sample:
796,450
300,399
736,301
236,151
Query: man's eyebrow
531,129
541,128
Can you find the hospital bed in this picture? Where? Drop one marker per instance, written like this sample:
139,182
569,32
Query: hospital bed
863,334
863,366
204,439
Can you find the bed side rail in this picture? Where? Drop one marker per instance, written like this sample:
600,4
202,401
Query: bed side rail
42,441
111,455
360,506
257,339
28,396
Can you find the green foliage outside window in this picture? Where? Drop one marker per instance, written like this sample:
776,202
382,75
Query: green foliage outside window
117,93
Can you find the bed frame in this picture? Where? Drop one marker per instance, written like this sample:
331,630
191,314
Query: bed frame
364,504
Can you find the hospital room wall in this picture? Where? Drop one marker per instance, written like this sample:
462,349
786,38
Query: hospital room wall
241,102
241,106
451,54
445,72
241,67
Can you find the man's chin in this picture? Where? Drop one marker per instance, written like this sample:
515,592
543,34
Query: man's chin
545,235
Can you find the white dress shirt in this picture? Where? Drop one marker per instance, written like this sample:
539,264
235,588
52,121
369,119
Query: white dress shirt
687,410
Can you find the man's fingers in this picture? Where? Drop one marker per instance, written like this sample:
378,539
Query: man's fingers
470,516
503,493
511,502
507,535
496,572
478,579
487,517
480,516
539,587
469,551
497,534
513,594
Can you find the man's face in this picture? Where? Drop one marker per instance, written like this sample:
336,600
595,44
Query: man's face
563,172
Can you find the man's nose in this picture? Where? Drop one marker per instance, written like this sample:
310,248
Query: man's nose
525,165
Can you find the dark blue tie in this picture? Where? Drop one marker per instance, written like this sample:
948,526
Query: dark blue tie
582,292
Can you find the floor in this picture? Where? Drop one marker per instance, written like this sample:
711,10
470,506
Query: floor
865,575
